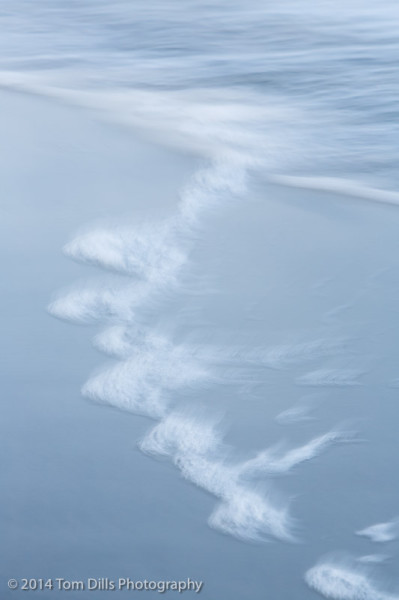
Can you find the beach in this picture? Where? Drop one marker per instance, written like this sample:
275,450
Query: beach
267,321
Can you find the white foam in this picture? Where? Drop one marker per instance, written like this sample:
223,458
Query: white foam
340,581
276,460
195,445
331,378
180,434
151,253
116,341
225,130
143,383
210,187
124,341
101,303
381,532
250,516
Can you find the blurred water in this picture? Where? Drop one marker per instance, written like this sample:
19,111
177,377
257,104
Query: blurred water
212,292
298,87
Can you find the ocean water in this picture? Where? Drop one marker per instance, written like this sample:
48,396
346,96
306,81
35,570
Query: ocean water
295,88
204,196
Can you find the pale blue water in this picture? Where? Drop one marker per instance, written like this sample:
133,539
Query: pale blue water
245,333
316,83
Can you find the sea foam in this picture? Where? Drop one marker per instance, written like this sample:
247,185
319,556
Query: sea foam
195,445
143,383
150,252
342,580
99,303
381,532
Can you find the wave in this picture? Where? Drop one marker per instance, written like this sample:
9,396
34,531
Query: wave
152,369
381,532
339,579
230,126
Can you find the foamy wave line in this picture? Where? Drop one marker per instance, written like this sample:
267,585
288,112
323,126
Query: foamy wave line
151,253
101,302
153,368
339,579
144,383
195,445
155,254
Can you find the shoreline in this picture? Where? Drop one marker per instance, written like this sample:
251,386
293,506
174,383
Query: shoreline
281,275
73,99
